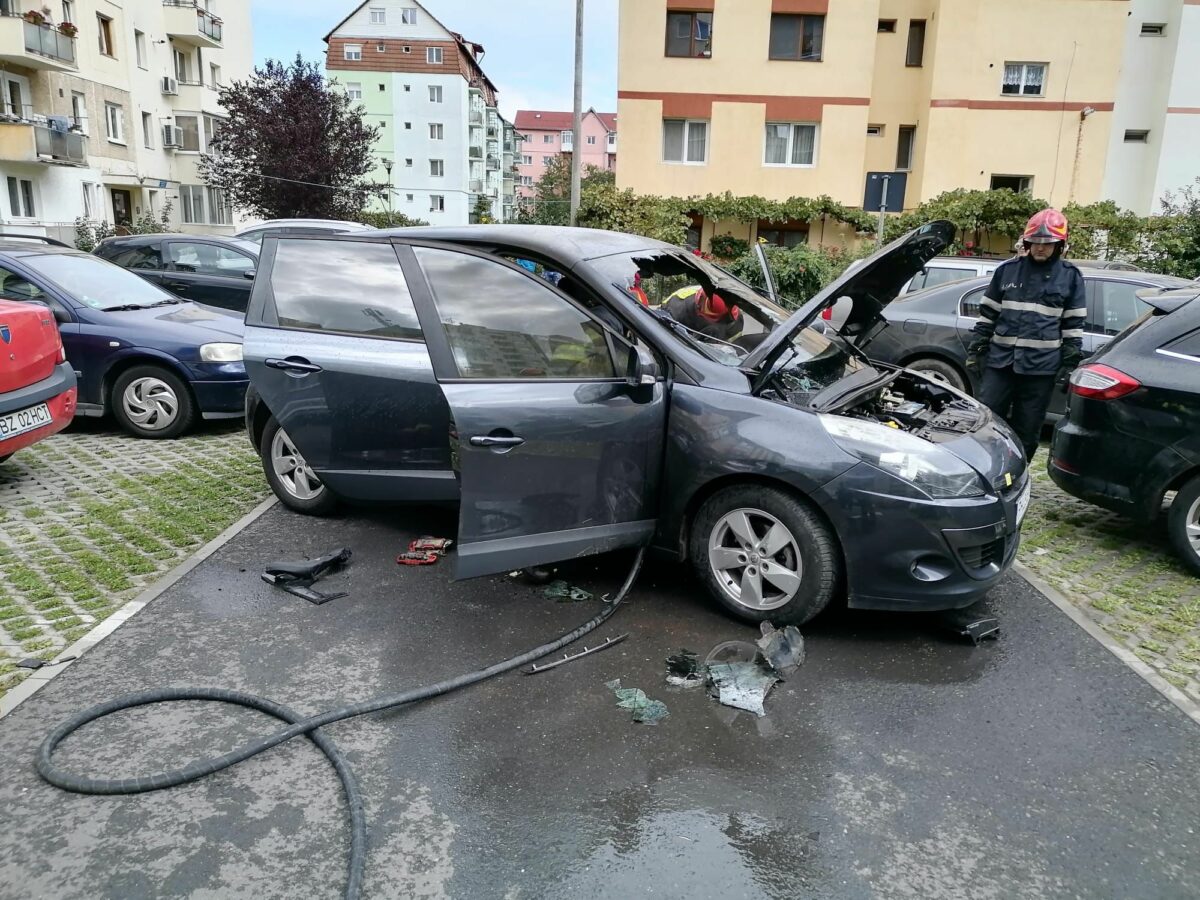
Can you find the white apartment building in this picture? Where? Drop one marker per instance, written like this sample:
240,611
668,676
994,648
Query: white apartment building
442,141
106,107
1156,118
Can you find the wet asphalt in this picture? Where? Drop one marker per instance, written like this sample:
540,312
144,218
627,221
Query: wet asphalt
896,762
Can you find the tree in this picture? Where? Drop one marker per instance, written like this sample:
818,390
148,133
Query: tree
551,202
293,146
481,214
1176,235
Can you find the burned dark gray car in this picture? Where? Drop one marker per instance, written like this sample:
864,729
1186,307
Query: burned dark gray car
517,370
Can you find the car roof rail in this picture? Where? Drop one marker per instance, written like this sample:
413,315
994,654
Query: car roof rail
53,242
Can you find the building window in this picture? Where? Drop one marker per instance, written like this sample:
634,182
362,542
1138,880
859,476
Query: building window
886,26
189,126
689,34
104,26
408,163
1018,184
191,204
139,48
408,126
354,90
526,181
790,145
437,131
916,43
591,139
437,168
433,55
378,15
90,195
612,141
437,203
874,131
408,16
20,198
220,213
408,198
527,160
214,75
797,37
547,139
546,160
1137,136
435,93
148,130
381,47
406,49
383,87
79,111
183,69
1153,29
68,8
114,125
685,141
352,52
382,123
904,147
1024,78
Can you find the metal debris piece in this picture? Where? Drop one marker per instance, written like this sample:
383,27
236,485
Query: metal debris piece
417,558
742,685
645,710
565,593
431,544
973,623
297,577
571,657
684,669
783,650
34,663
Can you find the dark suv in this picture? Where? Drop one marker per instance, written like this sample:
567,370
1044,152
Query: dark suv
569,419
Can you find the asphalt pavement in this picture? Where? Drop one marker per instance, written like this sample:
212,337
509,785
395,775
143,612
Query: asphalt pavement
896,762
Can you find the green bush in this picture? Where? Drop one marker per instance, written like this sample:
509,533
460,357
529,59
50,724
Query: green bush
382,220
726,246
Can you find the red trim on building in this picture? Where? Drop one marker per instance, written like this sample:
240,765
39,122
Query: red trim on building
699,106
1185,110
1044,105
811,7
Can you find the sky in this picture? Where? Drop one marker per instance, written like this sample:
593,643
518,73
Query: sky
530,44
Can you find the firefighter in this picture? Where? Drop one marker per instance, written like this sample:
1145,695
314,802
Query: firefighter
1030,332
705,313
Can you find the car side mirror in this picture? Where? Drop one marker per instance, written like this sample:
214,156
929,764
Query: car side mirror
250,273
642,370
60,315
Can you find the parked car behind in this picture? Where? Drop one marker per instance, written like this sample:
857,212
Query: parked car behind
213,270
156,362
278,227
930,331
1132,431
37,384
425,364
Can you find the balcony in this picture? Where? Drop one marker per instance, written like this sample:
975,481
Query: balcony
33,142
188,23
568,142
612,143
196,97
475,152
493,164
35,46
477,116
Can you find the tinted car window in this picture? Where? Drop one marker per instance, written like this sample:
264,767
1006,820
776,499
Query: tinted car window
936,275
969,307
96,283
14,287
1114,307
207,259
1188,345
503,324
343,286
147,257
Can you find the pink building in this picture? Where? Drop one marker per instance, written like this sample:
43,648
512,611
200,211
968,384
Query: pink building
547,134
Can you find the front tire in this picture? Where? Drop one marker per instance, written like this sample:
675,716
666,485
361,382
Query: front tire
940,370
290,477
152,402
765,555
1183,523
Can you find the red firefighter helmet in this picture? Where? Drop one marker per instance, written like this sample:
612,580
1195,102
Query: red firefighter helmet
1046,227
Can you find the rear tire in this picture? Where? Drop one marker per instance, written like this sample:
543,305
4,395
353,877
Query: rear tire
940,370
1183,523
765,555
294,483
152,402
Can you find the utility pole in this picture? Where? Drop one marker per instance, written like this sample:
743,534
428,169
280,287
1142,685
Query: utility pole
577,140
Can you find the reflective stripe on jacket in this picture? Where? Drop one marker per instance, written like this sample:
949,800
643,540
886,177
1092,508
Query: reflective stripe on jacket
1031,311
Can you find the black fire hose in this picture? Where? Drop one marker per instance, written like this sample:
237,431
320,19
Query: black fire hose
298,726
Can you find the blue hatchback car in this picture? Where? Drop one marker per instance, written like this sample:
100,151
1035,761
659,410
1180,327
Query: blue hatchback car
156,362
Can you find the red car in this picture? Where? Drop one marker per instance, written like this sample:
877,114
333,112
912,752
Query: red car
37,384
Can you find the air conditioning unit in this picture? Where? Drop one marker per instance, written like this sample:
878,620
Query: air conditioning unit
172,136
169,85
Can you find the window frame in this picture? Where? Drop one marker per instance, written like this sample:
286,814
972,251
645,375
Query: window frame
354,90
114,125
437,168
687,129
104,31
440,134
352,52
791,143
139,48
885,26
915,27
436,94
799,57
440,206
1025,66
692,39
912,146
23,191
1027,179
1136,136
148,130
1157,29
430,52
405,18
381,12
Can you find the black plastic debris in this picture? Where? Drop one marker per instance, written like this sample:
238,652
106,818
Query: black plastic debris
34,663
782,649
976,624
645,711
562,592
297,577
684,669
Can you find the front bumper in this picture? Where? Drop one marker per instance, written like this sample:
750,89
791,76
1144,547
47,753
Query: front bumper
905,553
220,389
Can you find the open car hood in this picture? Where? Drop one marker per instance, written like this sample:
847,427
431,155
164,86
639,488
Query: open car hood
871,285
1167,300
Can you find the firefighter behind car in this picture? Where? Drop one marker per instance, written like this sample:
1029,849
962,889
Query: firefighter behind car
1030,331
708,314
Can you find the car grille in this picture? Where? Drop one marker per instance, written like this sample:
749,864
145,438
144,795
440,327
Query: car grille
980,556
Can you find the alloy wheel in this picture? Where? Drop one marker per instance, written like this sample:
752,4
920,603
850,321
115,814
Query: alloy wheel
1192,526
150,403
294,473
755,559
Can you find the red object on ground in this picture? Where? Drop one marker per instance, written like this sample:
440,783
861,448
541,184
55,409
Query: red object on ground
31,354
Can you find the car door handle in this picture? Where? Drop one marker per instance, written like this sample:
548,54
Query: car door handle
492,440
292,364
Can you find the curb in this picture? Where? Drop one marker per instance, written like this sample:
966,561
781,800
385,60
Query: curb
1186,704
41,677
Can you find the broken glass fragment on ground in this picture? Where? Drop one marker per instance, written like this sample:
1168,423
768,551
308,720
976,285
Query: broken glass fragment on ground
645,710
562,592
684,669
782,649
741,674
742,685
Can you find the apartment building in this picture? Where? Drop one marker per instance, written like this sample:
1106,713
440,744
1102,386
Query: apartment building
106,108
545,134
1156,123
784,98
443,143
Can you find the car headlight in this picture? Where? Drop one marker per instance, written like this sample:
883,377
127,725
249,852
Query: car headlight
938,473
221,353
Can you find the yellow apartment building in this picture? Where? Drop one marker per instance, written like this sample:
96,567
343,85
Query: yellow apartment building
783,98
